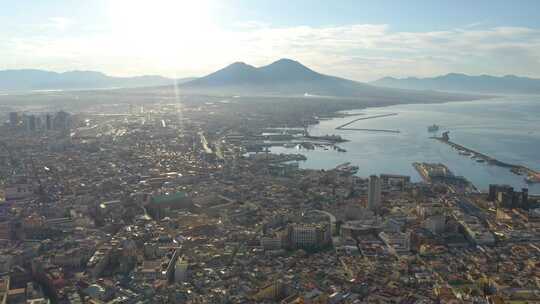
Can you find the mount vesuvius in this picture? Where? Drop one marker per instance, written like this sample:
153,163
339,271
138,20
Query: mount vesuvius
287,77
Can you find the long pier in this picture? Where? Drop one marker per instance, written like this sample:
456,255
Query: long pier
344,126
518,169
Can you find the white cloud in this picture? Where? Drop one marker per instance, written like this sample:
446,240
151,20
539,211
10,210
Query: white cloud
361,51
59,23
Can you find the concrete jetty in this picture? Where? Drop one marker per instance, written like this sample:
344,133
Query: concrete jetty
371,130
519,169
344,126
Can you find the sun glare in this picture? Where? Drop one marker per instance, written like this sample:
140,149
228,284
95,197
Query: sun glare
160,18
164,30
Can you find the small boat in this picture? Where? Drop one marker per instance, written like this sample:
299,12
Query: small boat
480,160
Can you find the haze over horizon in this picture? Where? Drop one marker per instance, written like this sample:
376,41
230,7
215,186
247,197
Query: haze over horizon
358,41
269,151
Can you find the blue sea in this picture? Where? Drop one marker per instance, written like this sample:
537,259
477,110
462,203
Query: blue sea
506,128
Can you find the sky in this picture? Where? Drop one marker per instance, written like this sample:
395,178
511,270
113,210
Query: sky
360,40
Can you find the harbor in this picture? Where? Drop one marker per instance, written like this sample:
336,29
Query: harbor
394,153
531,176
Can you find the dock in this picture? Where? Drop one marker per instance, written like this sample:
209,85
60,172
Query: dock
439,173
344,126
518,169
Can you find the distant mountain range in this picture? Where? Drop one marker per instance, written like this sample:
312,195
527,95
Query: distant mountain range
287,77
509,84
284,77
24,80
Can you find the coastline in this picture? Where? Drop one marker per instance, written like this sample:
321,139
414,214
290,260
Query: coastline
400,151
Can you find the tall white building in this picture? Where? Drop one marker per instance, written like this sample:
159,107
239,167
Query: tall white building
374,193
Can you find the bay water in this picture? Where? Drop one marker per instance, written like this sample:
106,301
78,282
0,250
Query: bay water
506,128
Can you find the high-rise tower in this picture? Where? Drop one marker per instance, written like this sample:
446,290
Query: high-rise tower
374,193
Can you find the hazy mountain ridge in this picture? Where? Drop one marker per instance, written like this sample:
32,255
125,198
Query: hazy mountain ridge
509,84
283,78
240,73
33,79
287,77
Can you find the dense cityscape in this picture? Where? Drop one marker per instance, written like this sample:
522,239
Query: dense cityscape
270,152
169,203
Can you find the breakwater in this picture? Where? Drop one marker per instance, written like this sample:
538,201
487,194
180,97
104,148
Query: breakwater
371,130
344,126
531,174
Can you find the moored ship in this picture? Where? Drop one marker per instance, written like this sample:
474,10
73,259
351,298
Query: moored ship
433,128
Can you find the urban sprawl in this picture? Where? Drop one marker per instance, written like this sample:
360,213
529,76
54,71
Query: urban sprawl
183,204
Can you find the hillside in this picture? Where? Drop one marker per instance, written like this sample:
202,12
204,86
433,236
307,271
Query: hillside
509,84
24,80
287,77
